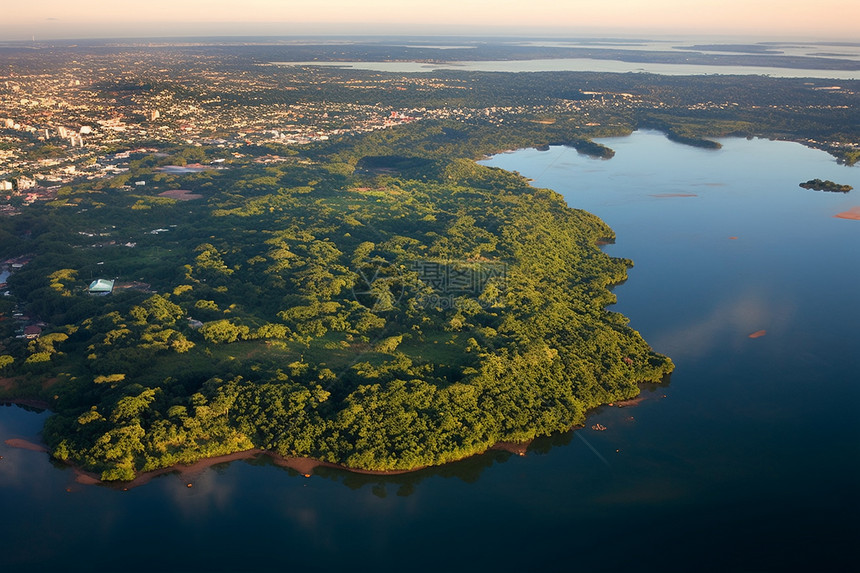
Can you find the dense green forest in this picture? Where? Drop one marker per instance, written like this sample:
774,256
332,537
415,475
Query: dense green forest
376,299
354,303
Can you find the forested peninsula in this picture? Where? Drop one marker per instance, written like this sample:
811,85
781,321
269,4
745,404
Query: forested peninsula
208,253
351,305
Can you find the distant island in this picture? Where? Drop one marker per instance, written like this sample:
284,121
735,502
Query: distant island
826,185
734,48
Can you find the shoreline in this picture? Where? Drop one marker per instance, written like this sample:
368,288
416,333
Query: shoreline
302,465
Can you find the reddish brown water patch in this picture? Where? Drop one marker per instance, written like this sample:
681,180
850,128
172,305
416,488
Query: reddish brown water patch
852,213
25,445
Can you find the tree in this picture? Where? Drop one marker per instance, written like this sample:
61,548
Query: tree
109,379
223,331
157,309
129,408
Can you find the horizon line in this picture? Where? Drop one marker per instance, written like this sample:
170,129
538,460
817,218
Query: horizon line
484,33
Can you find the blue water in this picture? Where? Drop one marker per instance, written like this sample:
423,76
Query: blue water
748,460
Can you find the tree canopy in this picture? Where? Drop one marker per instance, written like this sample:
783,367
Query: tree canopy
392,315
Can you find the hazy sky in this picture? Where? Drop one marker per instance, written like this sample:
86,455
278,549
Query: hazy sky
823,19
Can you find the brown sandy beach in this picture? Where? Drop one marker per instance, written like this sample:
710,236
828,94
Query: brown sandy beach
304,466
631,403
518,448
188,473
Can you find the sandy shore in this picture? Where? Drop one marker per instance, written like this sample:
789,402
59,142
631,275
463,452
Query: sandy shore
518,448
303,466
188,473
631,403
306,466
758,334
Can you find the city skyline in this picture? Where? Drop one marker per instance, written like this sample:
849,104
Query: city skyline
53,19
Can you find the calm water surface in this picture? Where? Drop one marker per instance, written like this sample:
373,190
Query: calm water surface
749,460
586,65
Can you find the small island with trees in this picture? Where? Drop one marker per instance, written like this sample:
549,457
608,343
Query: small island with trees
826,185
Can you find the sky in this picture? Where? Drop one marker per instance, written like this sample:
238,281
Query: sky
782,19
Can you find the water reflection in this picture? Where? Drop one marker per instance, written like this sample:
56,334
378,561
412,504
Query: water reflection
214,489
198,496
729,324
210,490
403,485
24,423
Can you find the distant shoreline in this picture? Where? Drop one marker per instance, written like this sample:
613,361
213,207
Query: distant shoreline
842,70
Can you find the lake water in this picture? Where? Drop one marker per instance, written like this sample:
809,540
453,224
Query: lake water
585,65
748,460
711,45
